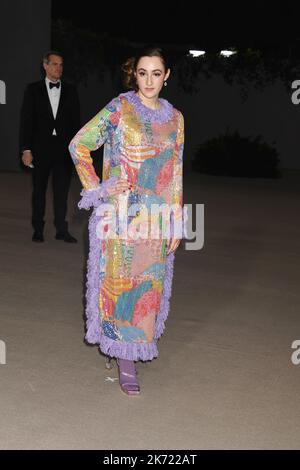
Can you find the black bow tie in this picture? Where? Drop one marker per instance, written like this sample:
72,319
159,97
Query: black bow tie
51,84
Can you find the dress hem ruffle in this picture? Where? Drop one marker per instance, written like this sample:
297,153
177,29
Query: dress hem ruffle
94,334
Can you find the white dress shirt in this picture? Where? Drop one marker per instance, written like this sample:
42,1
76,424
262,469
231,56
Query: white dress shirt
54,97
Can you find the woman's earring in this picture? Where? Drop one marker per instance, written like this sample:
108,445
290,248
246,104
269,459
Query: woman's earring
165,83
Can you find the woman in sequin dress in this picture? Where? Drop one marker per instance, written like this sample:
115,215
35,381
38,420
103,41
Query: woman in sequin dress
129,277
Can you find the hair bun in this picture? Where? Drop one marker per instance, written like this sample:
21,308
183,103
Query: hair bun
128,67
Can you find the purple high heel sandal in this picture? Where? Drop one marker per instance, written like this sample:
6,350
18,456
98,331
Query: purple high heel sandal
127,377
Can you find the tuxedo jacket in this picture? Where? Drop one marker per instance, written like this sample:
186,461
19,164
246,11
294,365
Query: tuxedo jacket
37,120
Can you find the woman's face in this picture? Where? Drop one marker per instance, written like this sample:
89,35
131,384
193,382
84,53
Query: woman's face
150,76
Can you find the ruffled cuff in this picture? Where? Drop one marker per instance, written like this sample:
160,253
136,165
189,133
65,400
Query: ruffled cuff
94,197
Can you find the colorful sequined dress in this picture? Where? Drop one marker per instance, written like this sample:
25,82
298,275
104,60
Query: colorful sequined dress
129,278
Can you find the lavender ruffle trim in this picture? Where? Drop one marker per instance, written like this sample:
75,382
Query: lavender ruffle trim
165,300
94,197
160,116
130,351
93,266
94,333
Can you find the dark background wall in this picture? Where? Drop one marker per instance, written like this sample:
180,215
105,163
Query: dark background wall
25,27
25,34
218,107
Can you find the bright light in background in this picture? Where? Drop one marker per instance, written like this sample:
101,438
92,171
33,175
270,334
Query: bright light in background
226,53
196,53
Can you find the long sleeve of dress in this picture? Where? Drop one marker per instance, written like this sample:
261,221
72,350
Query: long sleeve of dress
92,135
177,195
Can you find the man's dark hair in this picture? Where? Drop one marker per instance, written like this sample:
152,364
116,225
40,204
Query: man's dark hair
48,54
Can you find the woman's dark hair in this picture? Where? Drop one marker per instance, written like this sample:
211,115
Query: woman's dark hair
130,65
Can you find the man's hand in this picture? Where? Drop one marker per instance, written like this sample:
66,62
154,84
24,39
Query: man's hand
27,157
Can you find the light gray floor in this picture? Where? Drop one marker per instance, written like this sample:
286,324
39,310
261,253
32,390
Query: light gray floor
224,377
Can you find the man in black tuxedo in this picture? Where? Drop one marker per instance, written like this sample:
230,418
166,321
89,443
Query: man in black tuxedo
50,118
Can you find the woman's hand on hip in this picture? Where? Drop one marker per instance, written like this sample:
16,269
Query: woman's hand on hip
121,186
172,245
